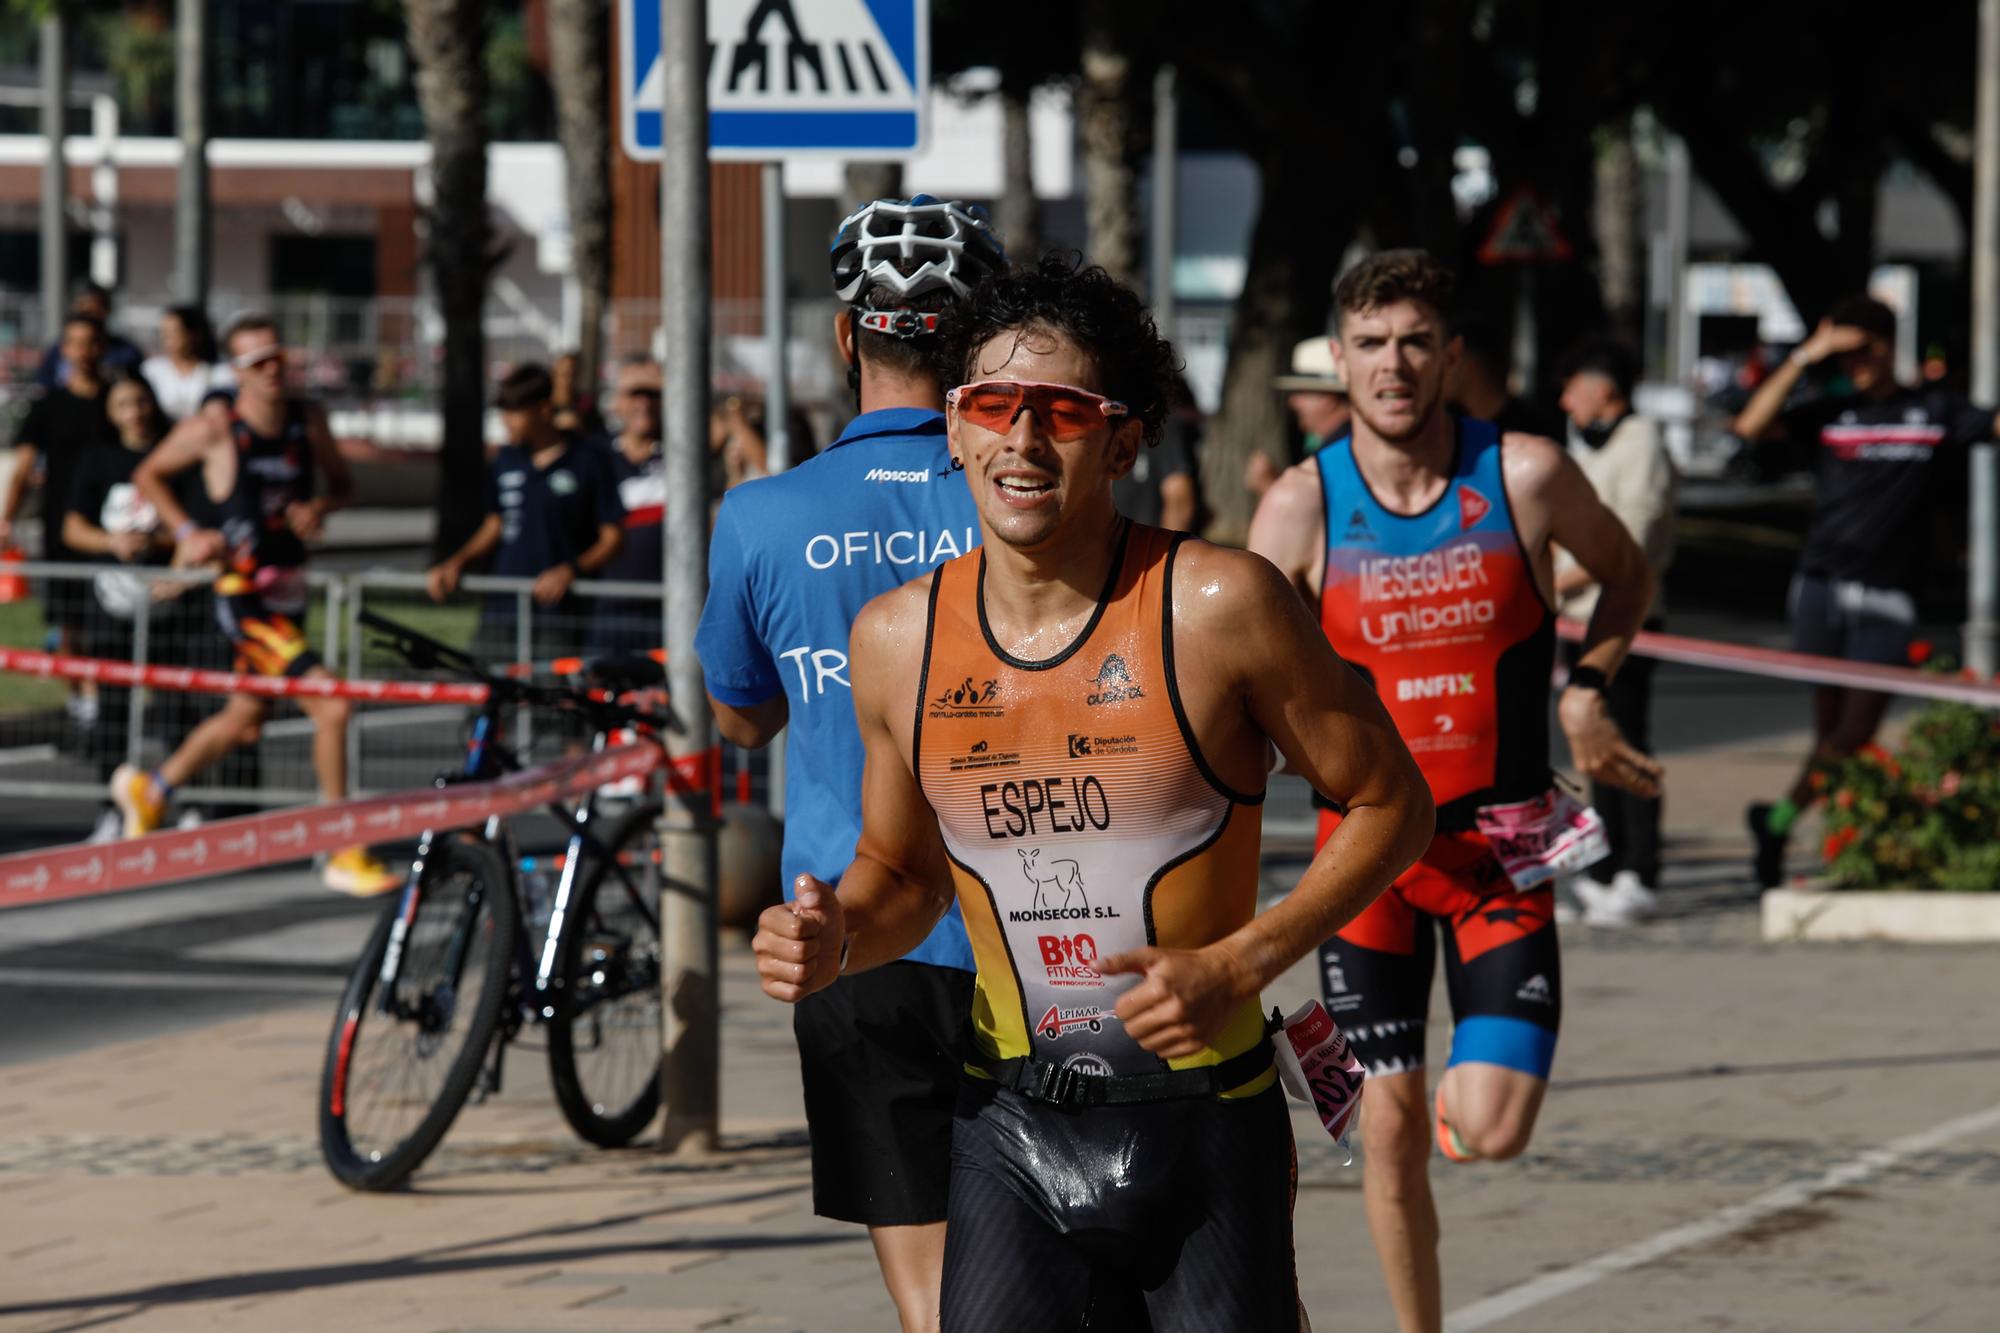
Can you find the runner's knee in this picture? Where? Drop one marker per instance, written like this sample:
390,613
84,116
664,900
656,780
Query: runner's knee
1396,1133
1499,1139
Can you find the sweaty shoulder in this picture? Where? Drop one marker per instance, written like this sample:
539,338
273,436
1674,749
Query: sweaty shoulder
1288,528
1225,599
887,643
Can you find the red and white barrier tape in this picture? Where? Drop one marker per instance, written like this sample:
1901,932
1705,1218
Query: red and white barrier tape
193,680
230,845
1784,665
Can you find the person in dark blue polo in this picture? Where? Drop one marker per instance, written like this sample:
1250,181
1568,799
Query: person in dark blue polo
552,515
794,558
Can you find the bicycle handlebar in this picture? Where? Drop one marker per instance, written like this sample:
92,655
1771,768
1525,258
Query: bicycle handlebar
420,650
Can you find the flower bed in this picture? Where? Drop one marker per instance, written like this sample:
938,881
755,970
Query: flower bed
1926,817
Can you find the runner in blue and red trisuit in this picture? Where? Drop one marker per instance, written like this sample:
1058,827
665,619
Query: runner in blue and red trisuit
1424,543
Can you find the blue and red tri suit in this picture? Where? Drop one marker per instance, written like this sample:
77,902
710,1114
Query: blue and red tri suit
1441,612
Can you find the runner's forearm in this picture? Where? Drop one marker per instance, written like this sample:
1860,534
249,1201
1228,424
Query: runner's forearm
1622,605
1372,845
888,913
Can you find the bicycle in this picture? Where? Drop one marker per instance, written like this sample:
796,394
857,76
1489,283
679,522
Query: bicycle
450,977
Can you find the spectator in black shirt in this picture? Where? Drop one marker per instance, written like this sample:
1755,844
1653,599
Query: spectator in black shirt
624,624
1879,449
119,355
107,518
62,426
1163,488
552,515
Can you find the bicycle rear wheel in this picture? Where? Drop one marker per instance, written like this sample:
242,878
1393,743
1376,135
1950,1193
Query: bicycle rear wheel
604,1041
399,1067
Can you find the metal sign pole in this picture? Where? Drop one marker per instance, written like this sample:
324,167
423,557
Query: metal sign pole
777,325
777,392
191,198
690,997
1983,577
55,176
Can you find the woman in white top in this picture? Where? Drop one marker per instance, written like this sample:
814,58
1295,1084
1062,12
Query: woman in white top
186,370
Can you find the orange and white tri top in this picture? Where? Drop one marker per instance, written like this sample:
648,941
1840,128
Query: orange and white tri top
1079,814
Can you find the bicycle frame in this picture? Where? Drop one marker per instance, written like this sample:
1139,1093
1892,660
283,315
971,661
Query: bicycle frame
487,758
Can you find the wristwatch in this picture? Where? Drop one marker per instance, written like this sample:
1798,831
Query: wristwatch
1588,678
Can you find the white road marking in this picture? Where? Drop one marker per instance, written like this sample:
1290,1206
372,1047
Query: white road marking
77,978
1552,1286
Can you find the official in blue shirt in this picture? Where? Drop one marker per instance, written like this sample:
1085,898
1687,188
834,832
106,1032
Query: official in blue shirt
794,558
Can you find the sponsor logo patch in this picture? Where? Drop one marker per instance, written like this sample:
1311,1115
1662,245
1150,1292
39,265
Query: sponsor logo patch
1114,684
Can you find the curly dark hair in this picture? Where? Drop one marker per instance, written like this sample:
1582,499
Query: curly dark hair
1086,305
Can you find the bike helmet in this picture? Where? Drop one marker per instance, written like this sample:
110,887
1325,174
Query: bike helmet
913,246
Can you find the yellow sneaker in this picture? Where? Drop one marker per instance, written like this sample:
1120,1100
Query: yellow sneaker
138,799
359,873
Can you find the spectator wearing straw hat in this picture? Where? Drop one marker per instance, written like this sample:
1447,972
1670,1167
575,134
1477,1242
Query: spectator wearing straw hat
1317,398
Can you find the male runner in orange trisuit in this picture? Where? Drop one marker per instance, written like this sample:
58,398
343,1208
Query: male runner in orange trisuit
1074,726
1423,541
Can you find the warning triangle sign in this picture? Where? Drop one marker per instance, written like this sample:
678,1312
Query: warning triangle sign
1524,231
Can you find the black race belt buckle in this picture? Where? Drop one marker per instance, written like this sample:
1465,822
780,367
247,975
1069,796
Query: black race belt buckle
1058,1085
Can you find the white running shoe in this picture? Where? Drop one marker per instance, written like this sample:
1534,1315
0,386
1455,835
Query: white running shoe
110,827
1623,902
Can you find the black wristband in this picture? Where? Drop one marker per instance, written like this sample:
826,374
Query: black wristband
1588,678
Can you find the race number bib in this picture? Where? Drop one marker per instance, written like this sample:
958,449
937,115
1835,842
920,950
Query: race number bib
1538,839
1316,1065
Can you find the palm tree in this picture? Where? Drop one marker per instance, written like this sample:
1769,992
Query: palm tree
448,44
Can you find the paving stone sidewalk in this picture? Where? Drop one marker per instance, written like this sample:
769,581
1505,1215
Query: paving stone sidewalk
175,1183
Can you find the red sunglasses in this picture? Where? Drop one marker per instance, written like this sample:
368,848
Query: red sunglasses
1067,413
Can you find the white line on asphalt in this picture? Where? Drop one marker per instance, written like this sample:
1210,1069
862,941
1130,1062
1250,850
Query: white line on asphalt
1550,1286
88,979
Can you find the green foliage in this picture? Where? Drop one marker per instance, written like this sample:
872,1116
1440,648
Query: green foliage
1927,817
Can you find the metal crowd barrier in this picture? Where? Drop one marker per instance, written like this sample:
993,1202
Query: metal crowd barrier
60,741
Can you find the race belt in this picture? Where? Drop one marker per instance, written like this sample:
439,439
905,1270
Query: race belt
1073,1089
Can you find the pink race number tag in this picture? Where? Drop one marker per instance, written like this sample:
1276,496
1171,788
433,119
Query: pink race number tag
1538,839
1316,1065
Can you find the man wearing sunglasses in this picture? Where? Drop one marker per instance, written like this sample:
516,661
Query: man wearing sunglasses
794,558
258,456
1424,543
1083,758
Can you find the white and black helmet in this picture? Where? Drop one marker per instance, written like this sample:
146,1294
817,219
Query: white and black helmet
912,246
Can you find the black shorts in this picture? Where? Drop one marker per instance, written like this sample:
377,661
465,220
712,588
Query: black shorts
1502,967
1839,618
881,1054
1168,1216
266,642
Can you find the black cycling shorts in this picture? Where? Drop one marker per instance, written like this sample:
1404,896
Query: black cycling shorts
881,1054
1502,966
1170,1216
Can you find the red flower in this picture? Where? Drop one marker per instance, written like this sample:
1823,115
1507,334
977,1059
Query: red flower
1844,798
1837,842
1919,651
1949,784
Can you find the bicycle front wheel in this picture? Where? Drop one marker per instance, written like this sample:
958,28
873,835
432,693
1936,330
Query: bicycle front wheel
400,1064
604,1041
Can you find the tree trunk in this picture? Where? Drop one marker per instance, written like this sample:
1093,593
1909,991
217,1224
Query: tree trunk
1303,227
1615,217
579,50
1104,120
1020,219
448,46
868,181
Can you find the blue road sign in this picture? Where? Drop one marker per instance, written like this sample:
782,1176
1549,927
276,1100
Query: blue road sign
789,78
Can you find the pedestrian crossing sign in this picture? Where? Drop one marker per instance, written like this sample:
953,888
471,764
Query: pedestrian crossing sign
789,78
